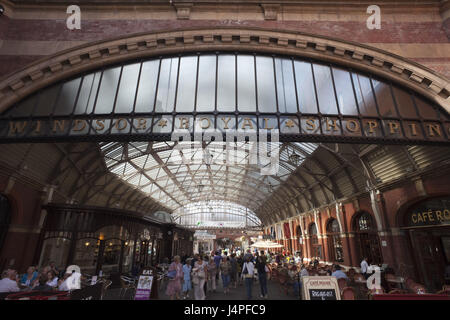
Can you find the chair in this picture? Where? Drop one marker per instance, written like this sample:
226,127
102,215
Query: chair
419,288
445,290
126,284
342,283
106,285
348,293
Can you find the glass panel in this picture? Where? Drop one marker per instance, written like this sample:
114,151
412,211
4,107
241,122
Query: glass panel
46,101
325,90
305,87
266,85
364,95
384,99
186,84
246,83
425,109
404,103
287,101
226,83
24,108
344,91
107,91
167,85
66,99
127,88
87,93
147,86
206,94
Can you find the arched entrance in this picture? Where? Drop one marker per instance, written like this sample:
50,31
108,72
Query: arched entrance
427,224
366,237
335,250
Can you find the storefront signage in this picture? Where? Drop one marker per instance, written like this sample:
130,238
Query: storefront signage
164,124
320,288
432,212
144,286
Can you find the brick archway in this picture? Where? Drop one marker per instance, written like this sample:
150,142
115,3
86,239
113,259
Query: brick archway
87,57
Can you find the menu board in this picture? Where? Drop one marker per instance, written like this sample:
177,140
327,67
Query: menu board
320,288
144,286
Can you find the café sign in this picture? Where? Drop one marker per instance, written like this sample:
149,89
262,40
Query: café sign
433,212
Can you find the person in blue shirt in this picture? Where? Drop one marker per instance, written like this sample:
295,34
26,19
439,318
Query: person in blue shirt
29,277
338,273
187,285
217,260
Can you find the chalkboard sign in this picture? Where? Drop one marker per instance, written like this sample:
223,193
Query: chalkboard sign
320,288
322,294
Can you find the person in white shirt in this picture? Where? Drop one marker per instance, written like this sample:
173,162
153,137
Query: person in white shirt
364,267
248,272
304,272
52,279
9,283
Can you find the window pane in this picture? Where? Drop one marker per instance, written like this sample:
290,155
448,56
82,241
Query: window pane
25,108
425,109
404,103
287,101
167,83
67,97
147,86
246,83
206,94
266,85
186,84
364,94
325,90
107,92
127,88
46,101
305,87
344,91
226,83
384,99
87,94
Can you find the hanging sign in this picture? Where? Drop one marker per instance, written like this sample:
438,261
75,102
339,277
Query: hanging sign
320,288
144,286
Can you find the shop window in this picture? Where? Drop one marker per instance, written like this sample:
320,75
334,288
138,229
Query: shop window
316,248
367,239
334,241
56,250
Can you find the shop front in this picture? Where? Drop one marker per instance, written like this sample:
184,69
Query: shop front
427,225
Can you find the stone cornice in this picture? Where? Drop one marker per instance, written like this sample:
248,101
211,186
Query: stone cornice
91,56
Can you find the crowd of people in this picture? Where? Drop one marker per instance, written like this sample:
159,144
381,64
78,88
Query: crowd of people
47,278
202,273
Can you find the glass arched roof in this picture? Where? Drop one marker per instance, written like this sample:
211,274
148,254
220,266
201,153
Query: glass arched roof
155,169
214,214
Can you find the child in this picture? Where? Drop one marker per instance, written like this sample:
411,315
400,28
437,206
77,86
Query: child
187,286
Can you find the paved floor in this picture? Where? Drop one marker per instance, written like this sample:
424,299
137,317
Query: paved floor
275,292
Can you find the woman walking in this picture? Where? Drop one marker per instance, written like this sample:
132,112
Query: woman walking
248,271
234,270
187,278
225,270
261,266
174,286
212,272
199,276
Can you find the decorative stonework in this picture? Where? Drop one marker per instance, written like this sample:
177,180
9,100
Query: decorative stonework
99,54
183,10
270,11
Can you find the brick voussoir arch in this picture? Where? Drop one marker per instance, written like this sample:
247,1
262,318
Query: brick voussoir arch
91,56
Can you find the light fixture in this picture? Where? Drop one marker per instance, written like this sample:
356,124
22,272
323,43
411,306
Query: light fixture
86,244
126,243
295,159
2,9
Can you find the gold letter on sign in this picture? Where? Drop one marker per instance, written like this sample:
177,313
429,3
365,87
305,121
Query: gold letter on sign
76,124
142,124
434,128
17,127
100,124
372,125
247,123
413,127
354,128
226,122
201,123
311,125
332,124
60,124
118,127
266,124
393,127
184,123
